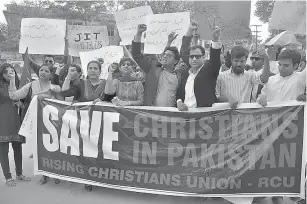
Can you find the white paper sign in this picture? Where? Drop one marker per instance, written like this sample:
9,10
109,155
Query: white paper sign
42,36
159,26
110,54
86,38
289,15
128,20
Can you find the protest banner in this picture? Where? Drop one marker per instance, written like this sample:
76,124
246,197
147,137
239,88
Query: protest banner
233,17
128,20
85,38
214,152
289,15
110,54
159,26
42,36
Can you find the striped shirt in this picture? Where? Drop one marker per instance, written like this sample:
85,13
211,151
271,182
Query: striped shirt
238,86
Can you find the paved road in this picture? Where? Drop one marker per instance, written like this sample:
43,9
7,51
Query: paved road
72,193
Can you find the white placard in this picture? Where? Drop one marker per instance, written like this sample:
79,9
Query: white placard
86,38
289,15
42,36
110,54
128,20
159,26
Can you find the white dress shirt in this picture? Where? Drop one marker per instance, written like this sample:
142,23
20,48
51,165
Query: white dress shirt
287,88
190,99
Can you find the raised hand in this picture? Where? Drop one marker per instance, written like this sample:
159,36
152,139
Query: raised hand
192,28
171,37
141,28
263,53
11,76
216,33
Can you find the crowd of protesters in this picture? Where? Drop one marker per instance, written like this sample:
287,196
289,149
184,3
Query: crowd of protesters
180,78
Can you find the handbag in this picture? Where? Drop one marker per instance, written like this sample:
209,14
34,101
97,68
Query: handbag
26,102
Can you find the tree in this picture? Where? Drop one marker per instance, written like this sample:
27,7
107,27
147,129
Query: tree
264,9
160,6
69,10
3,32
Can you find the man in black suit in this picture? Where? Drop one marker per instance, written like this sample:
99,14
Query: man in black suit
197,87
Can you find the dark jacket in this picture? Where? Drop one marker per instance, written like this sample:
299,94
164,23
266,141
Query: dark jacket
205,81
152,67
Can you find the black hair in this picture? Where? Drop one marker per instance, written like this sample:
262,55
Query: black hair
2,68
294,55
52,56
94,61
203,51
238,52
175,51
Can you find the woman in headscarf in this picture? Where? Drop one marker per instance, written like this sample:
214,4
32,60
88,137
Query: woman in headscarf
91,89
41,87
9,126
128,90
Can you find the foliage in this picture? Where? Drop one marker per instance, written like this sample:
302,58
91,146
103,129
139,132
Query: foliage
264,10
160,6
3,32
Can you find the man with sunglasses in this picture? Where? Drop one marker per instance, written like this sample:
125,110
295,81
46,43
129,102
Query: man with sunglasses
48,59
197,87
257,59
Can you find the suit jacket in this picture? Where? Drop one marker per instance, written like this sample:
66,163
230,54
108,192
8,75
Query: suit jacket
152,67
205,81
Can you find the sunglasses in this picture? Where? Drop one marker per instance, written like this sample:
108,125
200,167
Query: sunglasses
195,56
48,61
255,58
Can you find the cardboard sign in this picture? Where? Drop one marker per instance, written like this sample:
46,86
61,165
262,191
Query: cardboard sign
128,20
289,15
233,17
159,26
86,38
109,54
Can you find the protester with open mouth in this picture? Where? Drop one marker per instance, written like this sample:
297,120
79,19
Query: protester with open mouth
9,126
162,78
41,87
91,89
